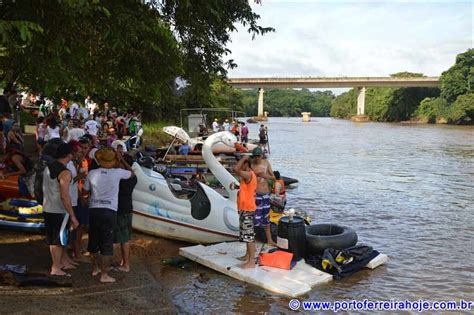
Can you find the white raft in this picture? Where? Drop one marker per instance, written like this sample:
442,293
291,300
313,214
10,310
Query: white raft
300,280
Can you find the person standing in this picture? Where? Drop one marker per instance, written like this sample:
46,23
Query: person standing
52,131
226,125
263,170
215,125
244,133
262,135
123,233
102,187
56,203
246,207
92,128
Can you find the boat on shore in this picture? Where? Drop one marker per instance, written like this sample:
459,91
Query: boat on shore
166,207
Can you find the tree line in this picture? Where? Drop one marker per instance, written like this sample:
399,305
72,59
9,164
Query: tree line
452,103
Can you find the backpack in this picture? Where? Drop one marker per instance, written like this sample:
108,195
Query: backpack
344,262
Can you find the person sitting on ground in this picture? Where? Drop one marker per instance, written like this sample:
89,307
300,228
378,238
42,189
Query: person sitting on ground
263,170
17,163
184,149
246,207
56,203
102,186
123,232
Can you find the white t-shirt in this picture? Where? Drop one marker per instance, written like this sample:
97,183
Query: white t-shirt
103,183
83,112
75,134
73,192
73,110
91,127
52,133
215,126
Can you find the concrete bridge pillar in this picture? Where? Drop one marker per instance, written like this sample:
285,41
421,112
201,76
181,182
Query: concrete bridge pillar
260,102
361,101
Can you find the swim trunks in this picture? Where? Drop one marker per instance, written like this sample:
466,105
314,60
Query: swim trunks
262,214
246,221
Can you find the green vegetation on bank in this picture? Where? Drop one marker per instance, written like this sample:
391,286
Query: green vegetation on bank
453,103
384,104
456,102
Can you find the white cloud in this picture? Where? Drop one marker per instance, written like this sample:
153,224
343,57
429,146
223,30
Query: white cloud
353,39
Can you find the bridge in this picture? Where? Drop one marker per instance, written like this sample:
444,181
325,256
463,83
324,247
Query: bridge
361,83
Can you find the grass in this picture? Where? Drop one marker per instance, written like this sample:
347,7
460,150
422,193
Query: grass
153,133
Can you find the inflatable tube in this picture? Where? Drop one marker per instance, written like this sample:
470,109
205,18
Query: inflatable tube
322,236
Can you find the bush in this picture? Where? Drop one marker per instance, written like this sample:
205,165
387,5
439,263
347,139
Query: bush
462,110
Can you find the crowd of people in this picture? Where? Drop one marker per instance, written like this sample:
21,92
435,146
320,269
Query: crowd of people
240,130
87,176
88,181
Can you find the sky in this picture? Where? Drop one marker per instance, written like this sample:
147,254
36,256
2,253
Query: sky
353,38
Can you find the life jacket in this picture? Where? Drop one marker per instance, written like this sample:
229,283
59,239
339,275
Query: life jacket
277,259
282,191
247,193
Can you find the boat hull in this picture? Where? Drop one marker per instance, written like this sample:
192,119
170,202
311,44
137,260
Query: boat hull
175,230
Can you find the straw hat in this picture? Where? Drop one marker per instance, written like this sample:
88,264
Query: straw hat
106,157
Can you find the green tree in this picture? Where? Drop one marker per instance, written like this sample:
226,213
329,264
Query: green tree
459,79
126,51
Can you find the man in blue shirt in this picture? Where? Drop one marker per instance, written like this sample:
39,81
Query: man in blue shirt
184,149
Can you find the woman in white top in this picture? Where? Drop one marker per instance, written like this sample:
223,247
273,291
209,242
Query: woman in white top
53,130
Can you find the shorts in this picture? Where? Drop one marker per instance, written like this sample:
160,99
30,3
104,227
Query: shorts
82,214
245,139
52,226
263,140
102,223
41,141
123,231
262,214
246,226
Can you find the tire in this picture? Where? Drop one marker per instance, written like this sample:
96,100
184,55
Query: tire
322,236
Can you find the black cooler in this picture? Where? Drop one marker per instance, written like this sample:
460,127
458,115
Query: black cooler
291,236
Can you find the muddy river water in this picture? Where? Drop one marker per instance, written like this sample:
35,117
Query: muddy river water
408,191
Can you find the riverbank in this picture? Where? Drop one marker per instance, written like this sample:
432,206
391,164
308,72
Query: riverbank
139,291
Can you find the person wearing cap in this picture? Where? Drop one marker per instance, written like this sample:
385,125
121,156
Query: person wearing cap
56,203
264,172
102,188
215,125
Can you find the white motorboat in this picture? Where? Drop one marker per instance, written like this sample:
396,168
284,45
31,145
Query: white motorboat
167,207
196,143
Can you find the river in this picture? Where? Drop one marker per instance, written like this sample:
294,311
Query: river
408,191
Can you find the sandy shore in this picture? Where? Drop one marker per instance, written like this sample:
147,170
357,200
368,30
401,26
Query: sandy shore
139,291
